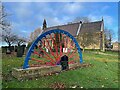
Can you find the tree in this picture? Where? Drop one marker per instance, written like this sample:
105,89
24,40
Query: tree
20,41
108,38
4,24
83,19
7,35
9,38
86,39
35,34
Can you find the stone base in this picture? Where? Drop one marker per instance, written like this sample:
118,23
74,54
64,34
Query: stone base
33,72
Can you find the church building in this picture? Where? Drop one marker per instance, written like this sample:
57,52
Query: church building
90,32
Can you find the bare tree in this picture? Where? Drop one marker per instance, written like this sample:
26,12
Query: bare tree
83,19
108,38
4,24
35,34
5,27
9,37
86,39
20,40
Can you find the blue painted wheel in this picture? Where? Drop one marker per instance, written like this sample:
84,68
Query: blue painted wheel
44,35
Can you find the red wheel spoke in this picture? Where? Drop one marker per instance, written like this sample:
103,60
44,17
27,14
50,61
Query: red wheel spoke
47,55
39,60
49,63
36,60
65,43
69,48
56,48
71,62
53,43
50,49
35,52
60,49
60,45
72,54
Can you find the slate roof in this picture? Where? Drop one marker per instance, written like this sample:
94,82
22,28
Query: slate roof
73,27
91,27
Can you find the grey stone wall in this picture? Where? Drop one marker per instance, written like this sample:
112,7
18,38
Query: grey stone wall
41,71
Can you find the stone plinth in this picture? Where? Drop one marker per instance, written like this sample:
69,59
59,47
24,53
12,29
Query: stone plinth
33,72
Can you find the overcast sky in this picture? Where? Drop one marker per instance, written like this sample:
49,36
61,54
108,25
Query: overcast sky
28,16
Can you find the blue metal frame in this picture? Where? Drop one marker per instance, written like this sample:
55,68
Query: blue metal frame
26,65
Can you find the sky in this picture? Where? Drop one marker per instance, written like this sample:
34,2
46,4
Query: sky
27,16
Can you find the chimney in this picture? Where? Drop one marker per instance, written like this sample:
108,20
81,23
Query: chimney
81,22
102,18
79,28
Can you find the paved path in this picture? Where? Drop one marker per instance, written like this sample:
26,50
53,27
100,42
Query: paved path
104,53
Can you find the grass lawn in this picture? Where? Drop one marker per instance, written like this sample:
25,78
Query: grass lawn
103,73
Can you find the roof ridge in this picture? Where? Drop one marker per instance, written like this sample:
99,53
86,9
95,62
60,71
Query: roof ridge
92,22
72,23
64,24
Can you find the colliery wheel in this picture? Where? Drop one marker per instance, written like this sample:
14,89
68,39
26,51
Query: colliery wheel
50,46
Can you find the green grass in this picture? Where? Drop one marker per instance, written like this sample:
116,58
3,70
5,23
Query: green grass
112,52
104,72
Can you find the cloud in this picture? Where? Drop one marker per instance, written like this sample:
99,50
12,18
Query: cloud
105,8
24,31
55,9
107,18
72,8
56,13
23,10
54,21
28,15
20,30
23,19
94,17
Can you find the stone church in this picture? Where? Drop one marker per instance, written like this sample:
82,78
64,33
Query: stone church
81,31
